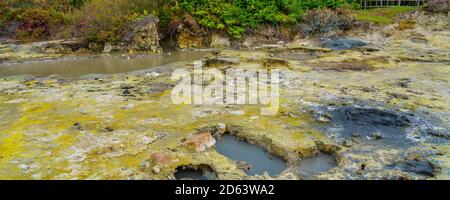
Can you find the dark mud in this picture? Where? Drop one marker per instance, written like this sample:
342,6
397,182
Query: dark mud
379,125
343,43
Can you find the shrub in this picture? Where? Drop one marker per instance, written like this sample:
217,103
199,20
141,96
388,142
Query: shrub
234,16
34,24
326,20
237,16
77,3
103,21
3,10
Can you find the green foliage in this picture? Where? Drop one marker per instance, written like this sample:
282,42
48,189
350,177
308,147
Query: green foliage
104,20
77,3
3,10
235,16
34,24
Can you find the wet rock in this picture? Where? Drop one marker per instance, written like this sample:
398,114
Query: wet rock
356,135
376,135
404,82
347,143
127,92
439,133
243,165
161,158
343,43
200,142
326,118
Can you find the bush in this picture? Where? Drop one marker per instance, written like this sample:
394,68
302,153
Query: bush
104,21
326,20
234,16
3,10
34,24
237,16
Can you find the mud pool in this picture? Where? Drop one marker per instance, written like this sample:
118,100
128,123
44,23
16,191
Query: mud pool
257,159
356,123
322,162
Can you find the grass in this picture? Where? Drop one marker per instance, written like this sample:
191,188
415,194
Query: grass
381,15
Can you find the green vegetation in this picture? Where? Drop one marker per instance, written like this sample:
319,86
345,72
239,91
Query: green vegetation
381,15
104,21
238,15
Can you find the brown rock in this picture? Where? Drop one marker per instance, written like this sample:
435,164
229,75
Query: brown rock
200,142
161,158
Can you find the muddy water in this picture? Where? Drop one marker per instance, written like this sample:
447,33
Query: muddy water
73,67
257,157
320,163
